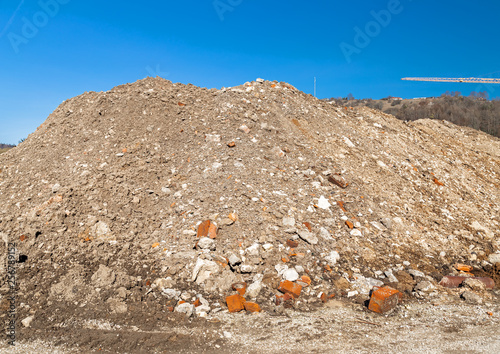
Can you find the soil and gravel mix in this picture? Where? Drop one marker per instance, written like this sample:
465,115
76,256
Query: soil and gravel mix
135,213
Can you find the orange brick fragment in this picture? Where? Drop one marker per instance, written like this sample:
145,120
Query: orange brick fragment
349,224
308,225
235,303
181,104
290,288
286,299
384,299
438,182
232,144
207,229
292,243
341,205
306,279
22,238
240,287
463,267
154,245
252,307
197,303
323,297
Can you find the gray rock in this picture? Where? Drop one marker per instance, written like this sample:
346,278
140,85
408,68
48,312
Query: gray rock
425,286
27,321
324,233
56,187
471,297
333,257
307,236
254,289
206,243
494,258
171,293
117,305
288,221
387,222
185,308
290,274
203,270
416,273
390,276
234,260
103,277
473,284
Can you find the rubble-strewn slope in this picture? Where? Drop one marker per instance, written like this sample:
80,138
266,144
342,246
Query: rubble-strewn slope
106,196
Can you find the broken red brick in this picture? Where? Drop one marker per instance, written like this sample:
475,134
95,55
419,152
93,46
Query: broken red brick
240,287
338,180
22,238
235,303
455,282
308,225
197,303
323,297
384,299
463,267
438,182
207,229
349,224
181,104
292,243
341,205
291,288
305,279
232,144
286,299
251,307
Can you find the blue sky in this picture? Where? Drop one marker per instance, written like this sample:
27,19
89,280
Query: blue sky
52,50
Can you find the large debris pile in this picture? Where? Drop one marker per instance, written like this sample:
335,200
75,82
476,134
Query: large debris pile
163,196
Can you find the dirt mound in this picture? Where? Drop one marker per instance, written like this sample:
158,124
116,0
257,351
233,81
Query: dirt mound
105,199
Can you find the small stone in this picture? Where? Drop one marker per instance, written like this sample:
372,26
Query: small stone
234,260
473,284
206,243
290,274
267,247
55,188
166,190
323,203
352,293
416,273
185,308
332,258
288,221
254,289
494,258
212,138
253,250
356,232
471,297
171,293
27,321
246,268
390,276
227,335
244,129
324,233
425,286
308,237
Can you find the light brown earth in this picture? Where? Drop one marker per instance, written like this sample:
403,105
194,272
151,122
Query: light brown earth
104,200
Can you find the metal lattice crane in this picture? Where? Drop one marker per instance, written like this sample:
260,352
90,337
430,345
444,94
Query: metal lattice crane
450,79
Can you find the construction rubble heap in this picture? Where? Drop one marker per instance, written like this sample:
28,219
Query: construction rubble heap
159,198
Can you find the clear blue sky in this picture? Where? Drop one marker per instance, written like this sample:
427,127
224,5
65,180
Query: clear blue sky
51,53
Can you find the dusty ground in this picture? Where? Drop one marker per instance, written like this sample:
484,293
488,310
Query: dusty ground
103,203
437,327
